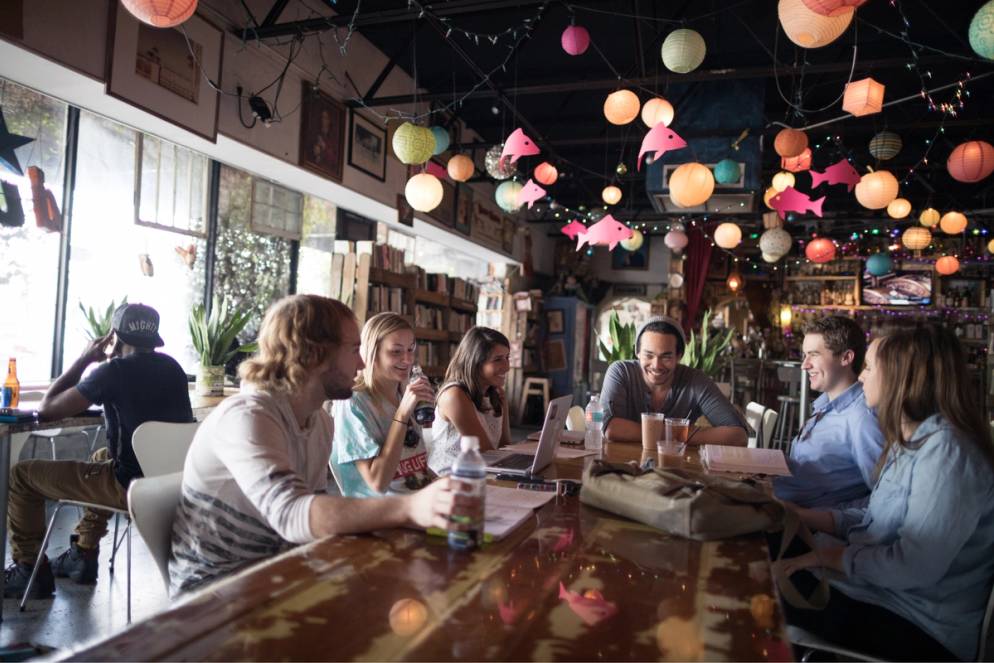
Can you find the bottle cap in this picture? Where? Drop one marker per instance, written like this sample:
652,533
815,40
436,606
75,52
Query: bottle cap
469,442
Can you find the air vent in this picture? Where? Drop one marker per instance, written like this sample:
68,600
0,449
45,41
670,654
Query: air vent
728,198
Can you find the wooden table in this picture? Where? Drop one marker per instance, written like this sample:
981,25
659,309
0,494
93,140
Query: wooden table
402,595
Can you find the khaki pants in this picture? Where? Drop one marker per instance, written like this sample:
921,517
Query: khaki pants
34,481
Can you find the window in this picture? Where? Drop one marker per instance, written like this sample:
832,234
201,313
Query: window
173,187
316,247
276,210
449,261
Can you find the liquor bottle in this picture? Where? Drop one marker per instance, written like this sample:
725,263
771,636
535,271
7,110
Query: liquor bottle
11,387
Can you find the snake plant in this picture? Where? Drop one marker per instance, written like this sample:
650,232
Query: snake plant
98,323
704,351
622,340
214,335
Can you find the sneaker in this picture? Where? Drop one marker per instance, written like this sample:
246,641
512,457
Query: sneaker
16,578
77,563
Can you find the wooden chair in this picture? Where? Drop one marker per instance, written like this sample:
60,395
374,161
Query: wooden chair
534,387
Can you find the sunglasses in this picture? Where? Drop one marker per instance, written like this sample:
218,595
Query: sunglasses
412,438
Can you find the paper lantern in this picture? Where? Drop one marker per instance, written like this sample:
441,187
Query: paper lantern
929,217
947,265
412,144
657,110
971,161
424,192
770,258
876,190
727,171
676,240
953,223
820,250
161,13
790,142
990,246
775,242
885,145
497,170
799,163
878,264
575,40
442,139
768,196
808,29
545,173
407,617
899,208
691,184
621,107
506,195
832,7
734,281
981,31
863,97
460,168
611,195
676,280
916,238
683,50
782,180
633,243
728,235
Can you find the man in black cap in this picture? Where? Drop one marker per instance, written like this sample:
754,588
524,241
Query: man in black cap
135,384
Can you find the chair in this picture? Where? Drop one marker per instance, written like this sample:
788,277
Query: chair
152,503
534,387
770,418
790,378
576,420
754,417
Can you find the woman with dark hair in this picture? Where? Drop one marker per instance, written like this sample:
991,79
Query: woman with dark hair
916,562
471,400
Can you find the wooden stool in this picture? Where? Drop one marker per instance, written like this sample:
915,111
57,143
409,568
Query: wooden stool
533,387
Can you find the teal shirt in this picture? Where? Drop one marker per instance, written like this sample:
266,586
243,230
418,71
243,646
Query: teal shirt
361,428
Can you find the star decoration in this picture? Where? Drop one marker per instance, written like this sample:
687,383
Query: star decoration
8,143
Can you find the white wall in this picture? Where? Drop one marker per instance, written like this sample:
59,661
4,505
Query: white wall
657,274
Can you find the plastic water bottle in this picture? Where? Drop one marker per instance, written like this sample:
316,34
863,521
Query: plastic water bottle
470,471
594,438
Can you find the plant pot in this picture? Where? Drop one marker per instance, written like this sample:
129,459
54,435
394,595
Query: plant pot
210,381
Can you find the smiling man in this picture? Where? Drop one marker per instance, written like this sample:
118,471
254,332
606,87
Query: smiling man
656,381
833,458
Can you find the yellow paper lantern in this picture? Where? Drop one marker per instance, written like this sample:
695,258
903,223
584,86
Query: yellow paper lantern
683,50
611,195
621,107
657,110
633,243
769,196
782,180
947,265
863,97
899,208
929,217
424,192
809,29
691,184
877,190
460,168
412,144
916,238
728,235
953,223
990,246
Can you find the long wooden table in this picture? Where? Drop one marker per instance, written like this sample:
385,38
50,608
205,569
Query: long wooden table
403,595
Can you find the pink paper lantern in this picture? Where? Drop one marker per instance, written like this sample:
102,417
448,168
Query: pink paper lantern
863,97
971,161
575,40
545,173
820,250
161,13
832,7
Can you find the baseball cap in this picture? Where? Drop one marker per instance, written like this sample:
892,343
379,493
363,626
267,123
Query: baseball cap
137,325
672,327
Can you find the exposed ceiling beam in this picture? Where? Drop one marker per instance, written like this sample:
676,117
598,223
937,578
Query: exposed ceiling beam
274,13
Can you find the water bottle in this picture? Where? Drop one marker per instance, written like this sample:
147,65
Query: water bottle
424,411
470,472
594,438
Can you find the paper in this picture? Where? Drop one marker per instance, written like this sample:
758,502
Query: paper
719,458
561,452
506,510
516,497
566,437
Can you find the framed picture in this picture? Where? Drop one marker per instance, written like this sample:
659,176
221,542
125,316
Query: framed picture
554,321
718,266
159,70
621,258
464,210
367,146
322,132
487,225
405,213
445,213
555,355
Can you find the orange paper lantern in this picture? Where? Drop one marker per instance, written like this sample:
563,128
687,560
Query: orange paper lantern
460,168
929,217
621,107
971,161
691,184
161,13
769,196
796,164
899,208
916,238
820,250
953,223
863,97
611,195
876,190
790,142
809,29
947,265
657,110
546,173
832,7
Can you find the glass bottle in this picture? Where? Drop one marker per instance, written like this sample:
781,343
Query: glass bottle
11,386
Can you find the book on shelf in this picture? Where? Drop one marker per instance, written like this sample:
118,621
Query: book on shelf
461,322
429,317
429,353
384,298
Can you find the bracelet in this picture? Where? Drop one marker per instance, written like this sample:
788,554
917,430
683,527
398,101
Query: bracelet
401,422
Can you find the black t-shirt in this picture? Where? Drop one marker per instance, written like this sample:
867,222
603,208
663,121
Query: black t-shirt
144,386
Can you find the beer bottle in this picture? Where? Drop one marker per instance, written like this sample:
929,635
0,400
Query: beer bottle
11,387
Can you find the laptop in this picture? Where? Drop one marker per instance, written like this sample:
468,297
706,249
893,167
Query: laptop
527,464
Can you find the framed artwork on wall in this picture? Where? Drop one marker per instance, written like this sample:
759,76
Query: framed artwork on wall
405,213
367,146
322,132
554,321
622,258
464,209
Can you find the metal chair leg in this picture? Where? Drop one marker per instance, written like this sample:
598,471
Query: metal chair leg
41,555
113,552
128,534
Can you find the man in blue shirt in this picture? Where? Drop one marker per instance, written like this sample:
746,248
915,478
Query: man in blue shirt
834,457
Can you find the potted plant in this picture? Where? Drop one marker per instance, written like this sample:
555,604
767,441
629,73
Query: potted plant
214,339
622,340
99,322
706,351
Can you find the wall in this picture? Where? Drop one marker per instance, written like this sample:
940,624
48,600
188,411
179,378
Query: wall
657,274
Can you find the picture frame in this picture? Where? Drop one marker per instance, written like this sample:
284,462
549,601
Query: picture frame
622,258
554,321
322,133
445,213
367,146
405,213
165,72
464,210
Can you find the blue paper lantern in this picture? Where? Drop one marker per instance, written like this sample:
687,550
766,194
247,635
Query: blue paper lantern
727,171
878,264
981,33
441,140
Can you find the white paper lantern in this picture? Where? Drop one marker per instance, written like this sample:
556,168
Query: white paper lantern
728,235
775,242
683,50
809,29
782,180
633,243
424,192
657,110
676,240
506,195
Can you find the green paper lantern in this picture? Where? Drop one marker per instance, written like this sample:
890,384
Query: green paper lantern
878,264
507,195
981,33
442,139
727,171
412,144
885,145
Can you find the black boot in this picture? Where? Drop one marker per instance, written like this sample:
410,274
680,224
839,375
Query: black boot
77,563
16,578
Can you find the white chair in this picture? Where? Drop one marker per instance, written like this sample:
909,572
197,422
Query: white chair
754,417
576,419
152,503
769,424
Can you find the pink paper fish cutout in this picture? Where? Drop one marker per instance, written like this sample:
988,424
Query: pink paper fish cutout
564,541
437,170
509,612
573,228
792,200
841,172
591,609
606,231
659,140
517,145
529,193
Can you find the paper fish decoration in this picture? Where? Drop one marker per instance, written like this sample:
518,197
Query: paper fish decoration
529,193
658,141
11,210
591,607
509,612
517,145
841,172
564,541
187,254
606,231
47,215
792,200
573,228
437,170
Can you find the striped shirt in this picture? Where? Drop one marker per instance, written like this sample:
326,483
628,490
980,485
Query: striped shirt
248,482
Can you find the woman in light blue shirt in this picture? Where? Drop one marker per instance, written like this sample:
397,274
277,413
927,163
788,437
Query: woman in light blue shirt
916,563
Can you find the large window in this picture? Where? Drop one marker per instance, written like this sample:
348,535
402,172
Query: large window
448,261
316,247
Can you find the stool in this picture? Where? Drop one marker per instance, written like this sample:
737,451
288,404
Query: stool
534,387
786,423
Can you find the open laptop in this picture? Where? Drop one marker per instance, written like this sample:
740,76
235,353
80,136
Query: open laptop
527,464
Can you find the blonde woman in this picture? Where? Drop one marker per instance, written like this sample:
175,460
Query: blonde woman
471,400
378,447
